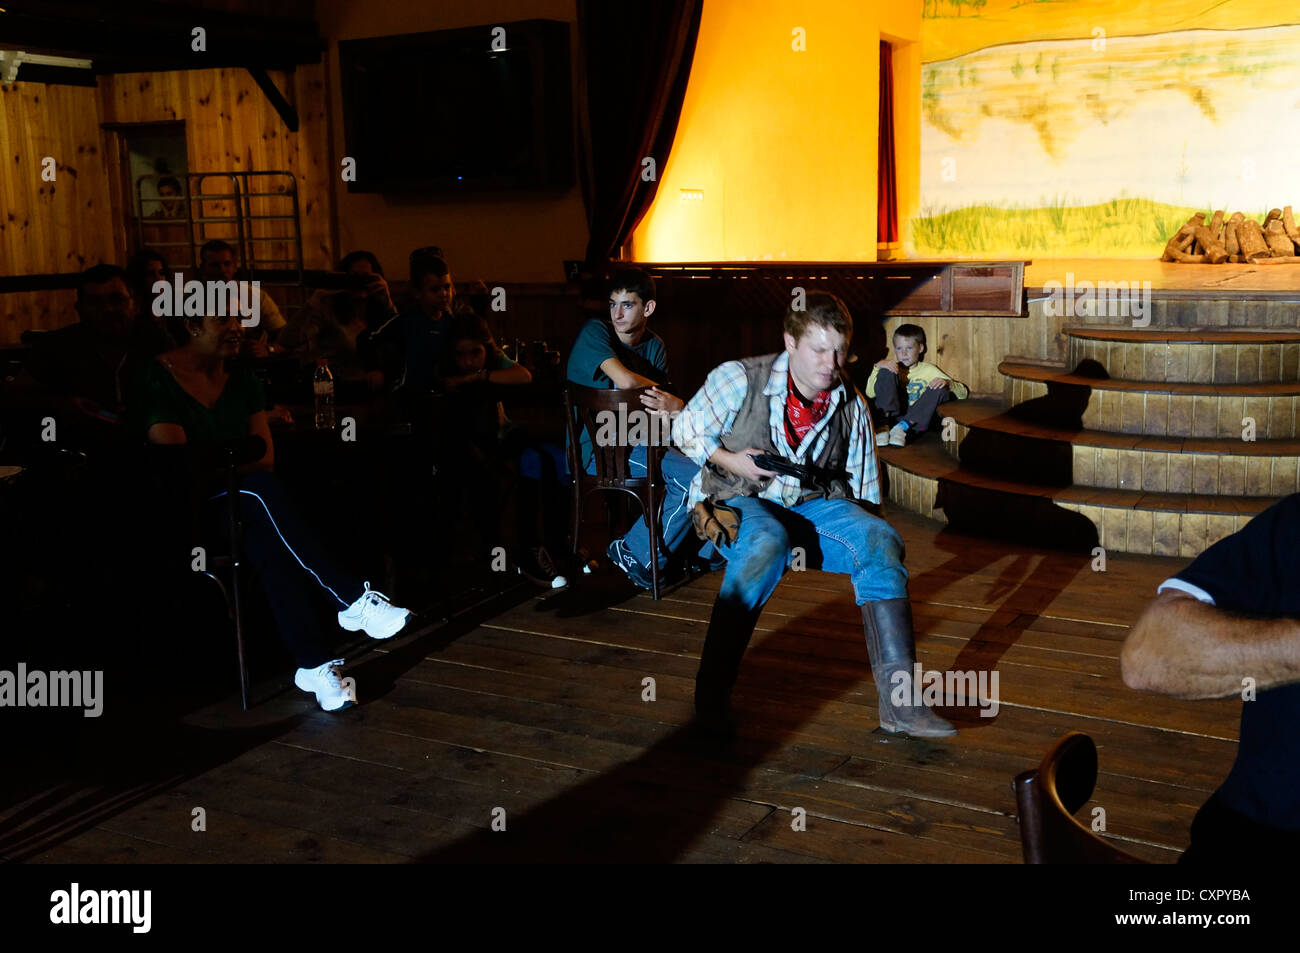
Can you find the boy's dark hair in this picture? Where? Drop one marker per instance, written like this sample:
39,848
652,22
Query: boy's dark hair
353,256
913,332
426,265
634,281
97,275
821,308
428,251
174,183
135,266
471,327
216,245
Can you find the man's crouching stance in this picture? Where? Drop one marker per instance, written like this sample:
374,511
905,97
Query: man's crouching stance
796,407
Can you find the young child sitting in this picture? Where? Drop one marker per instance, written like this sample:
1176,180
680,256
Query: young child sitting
909,388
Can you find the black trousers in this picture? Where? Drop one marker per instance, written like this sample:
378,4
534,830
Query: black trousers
891,398
295,570
1223,836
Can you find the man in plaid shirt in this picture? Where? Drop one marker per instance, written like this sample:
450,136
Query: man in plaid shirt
797,405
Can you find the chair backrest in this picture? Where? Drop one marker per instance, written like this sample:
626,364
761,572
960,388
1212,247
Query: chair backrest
1047,799
608,416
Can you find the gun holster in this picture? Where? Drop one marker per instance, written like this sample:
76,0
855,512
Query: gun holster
716,522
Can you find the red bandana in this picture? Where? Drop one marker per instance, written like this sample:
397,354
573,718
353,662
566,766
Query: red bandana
800,417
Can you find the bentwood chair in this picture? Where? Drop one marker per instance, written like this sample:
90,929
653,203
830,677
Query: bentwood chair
1047,799
223,558
584,408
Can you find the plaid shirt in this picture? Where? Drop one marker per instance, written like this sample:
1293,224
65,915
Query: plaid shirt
710,414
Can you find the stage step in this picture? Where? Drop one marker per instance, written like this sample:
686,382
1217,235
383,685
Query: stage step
1157,408
1195,356
1185,309
987,438
925,479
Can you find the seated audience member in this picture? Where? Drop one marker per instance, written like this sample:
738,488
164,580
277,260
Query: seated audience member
143,271
80,371
471,298
197,396
416,338
623,353
217,263
489,442
796,406
907,391
333,326
1228,626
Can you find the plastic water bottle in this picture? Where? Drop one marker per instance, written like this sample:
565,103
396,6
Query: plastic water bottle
322,385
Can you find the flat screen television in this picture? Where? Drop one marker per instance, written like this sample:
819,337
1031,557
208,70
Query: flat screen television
460,110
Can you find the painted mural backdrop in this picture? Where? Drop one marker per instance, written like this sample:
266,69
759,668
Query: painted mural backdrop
1062,128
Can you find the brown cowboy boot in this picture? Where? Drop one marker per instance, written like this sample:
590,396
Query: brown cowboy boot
888,624
730,628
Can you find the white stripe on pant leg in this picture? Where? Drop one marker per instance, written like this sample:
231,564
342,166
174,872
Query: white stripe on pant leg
275,527
681,508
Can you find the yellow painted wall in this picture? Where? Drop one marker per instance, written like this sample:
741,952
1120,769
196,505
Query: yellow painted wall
782,143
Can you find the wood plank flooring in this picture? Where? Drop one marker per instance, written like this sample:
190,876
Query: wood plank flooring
531,713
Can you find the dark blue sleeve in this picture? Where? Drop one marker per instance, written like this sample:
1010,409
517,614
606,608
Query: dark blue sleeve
1256,569
594,346
659,357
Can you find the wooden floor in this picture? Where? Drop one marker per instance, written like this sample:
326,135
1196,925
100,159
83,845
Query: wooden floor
536,709
1166,275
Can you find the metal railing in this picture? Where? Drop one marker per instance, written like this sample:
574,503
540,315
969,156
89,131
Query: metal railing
252,210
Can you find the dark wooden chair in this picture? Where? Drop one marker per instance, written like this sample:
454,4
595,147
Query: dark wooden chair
582,407
223,556
1047,799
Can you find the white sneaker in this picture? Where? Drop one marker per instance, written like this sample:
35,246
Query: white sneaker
897,436
331,693
882,438
375,614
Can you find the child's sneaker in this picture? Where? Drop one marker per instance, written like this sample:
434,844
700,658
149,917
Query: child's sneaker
375,614
897,436
882,438
328,688
538,566
637,574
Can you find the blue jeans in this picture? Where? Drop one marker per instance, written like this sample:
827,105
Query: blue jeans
835,536
290,563
678,471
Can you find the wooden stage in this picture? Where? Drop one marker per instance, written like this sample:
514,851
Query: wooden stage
536,707
1165,276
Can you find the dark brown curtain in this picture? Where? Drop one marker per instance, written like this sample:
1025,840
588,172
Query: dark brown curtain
887,173
635,59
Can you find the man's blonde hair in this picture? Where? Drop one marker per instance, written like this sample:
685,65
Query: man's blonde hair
821,308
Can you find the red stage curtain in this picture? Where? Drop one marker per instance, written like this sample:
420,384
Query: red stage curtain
887,172
635,59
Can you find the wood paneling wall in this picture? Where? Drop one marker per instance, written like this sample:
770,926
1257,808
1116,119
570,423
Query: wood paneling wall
61,225
229,125
970,349
69,224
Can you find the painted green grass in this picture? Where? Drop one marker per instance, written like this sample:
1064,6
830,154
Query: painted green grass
1120,228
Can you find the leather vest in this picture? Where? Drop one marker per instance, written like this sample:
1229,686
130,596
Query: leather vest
752,429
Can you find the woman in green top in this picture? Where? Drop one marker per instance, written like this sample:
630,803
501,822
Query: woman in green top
193,396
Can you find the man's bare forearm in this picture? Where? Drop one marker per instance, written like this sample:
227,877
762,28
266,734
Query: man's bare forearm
1190,649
